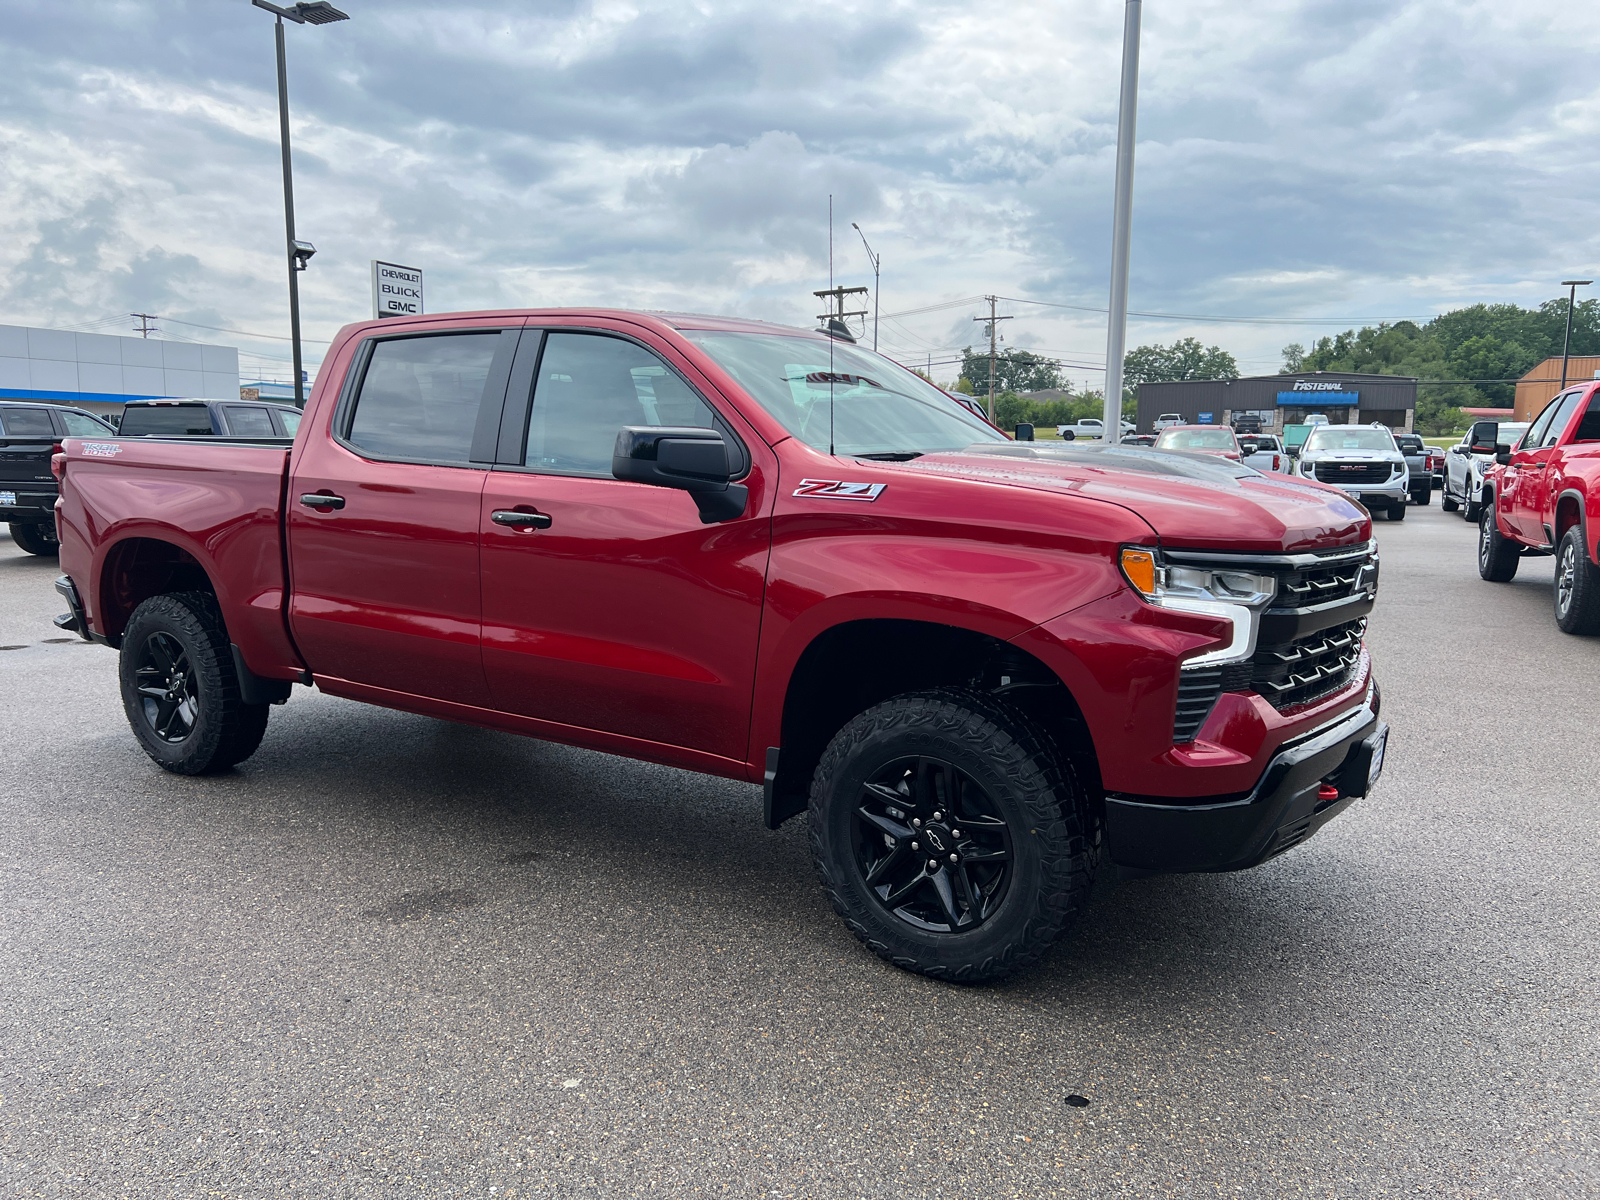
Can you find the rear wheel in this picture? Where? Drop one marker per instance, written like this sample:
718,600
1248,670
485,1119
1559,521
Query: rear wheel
180,689
37,539
1422,496
951,835
1497,554
1577,592
1470,510
1446,501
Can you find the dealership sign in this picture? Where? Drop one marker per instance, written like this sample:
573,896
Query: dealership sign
396,290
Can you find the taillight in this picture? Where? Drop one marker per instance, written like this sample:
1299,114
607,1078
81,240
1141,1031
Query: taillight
1276,466
58,463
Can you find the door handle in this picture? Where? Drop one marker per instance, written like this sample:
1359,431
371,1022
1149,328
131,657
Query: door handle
1533,466
520,520
311,500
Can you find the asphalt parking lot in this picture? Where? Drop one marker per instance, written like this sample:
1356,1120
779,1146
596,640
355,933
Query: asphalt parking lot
394,957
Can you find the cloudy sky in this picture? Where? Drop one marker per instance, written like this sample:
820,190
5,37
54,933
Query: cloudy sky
1327,161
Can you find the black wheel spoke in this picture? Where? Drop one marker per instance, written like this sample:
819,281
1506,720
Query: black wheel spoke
898,896
986,855
887,824
971,895
158,694
889,795
886,864
947,897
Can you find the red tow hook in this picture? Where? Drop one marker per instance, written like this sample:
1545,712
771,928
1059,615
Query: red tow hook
1326,792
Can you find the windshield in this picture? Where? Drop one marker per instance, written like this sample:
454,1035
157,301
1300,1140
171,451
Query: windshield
1195,439
830,393
1328,437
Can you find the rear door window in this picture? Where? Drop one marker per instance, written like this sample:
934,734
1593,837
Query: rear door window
249,421
420,397
1589,427
165,420
27,422
289,420
1564,410
82,425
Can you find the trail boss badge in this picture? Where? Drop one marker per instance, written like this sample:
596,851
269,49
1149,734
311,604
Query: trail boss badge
833,489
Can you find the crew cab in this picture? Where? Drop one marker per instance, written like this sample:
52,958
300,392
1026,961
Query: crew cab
1090,427
985,669
1542,497
188,418
29,435
1361,460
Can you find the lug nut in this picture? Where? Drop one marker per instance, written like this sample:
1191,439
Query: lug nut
917,822
933,864
952,858
914,846
938,816
955,833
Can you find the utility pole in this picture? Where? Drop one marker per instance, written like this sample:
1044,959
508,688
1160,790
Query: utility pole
993,349
1572,286
877,262
146,329
837,295
1122,227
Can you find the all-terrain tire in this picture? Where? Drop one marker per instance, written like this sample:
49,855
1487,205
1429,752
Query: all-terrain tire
1397,511
1498,555
180,689
1577,586
1022,778
36,539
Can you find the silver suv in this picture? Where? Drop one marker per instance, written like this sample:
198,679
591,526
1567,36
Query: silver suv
1363,461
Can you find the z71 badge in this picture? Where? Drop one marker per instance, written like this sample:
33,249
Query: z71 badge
833,489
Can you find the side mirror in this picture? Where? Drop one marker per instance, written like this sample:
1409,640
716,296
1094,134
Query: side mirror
1024,432
1248,448
1502,454
686,458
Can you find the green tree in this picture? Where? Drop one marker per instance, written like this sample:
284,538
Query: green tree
1294,358
964,386
1184,359
1014,371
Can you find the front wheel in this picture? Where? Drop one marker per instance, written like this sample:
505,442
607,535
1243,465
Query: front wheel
1447,502
37,539
1397,511
951,835
1577,586
1498,555
180,689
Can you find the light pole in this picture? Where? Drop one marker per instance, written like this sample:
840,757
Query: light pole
877,261
1121,227
299,253
1572,286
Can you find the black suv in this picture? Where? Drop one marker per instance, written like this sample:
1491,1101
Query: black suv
29,434
198,418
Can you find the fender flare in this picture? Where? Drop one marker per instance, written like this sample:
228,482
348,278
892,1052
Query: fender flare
1583,518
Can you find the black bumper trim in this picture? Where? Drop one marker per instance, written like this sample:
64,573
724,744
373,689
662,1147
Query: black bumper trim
1282,810
73,620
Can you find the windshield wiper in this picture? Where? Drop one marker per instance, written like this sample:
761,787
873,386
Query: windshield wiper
892,455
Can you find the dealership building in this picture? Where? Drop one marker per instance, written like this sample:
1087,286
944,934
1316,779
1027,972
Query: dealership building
101,372
1279,400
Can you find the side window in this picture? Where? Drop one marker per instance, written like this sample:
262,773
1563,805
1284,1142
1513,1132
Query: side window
28,422
1566,406
79,425
589,386
291,421
1589,427
1535,433
420,397
248,421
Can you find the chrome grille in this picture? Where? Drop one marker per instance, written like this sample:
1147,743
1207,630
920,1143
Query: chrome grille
1308,668
1306,586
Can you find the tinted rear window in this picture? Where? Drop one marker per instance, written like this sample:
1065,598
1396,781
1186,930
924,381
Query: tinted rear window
249,421
26,422
420,396
165,420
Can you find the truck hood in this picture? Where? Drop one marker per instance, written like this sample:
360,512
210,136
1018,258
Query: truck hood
1193,500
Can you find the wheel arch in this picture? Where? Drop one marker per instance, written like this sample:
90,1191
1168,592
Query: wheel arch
850,666
136,568
1571,510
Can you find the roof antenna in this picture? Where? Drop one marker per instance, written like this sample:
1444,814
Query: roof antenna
830,339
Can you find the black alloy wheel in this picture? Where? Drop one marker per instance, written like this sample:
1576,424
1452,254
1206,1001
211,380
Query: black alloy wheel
180,688
169,690
931,846
951,834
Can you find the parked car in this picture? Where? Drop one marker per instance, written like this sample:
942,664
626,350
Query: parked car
1139,439
1543,498
1316,419
1247,424
30,433
1167,420
1417,458
1264,452
770,555
1089,427
1467,461
1203,439
1361,460
215,418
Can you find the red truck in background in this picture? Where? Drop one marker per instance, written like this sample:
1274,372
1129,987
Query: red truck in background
1543,498
985,667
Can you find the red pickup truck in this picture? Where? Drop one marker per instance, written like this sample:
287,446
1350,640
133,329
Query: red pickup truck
985,667
1541,499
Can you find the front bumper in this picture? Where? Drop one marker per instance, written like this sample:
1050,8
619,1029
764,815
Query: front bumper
1288,804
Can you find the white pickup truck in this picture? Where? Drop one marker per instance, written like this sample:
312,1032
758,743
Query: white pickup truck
1090,427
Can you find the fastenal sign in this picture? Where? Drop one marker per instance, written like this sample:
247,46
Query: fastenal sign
396,290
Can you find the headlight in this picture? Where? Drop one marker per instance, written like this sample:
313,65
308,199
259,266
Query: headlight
1213,591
